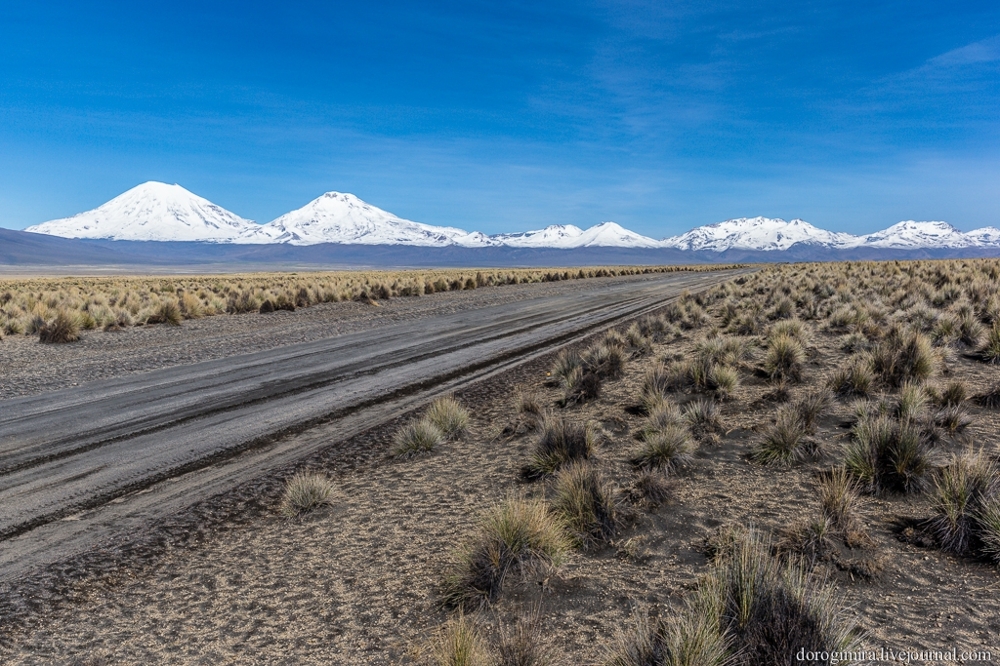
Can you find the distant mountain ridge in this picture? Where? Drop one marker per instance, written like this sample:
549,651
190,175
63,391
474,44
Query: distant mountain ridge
156,211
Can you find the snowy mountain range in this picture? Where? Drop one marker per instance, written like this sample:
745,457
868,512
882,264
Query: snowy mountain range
159,212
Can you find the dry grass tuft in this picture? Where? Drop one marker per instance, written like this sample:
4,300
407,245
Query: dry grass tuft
305,492
702,415
566,363
449,416
606,360
517,537
417,437
812,406
839,497
667,449
560,442
652,488
990,397
810,541
989,530
903,357
97,302
888,455
783,441
784,357
750,609
856,379
460,643
963,491
588,503
63,328
954,395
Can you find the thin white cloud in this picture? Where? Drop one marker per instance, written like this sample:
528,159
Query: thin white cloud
986,50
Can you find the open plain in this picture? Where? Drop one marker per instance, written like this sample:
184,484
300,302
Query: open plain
729,406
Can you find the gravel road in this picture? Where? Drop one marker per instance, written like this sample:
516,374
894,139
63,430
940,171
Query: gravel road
90,463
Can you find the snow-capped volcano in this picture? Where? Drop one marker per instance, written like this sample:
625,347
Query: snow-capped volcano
756,233
337,217
153,212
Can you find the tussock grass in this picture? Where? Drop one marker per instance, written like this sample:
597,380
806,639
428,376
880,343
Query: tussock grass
750,609
784,357
652,487
168,312
990,397
963,492
657,382
668,449
724,351
516,538
690,639
581,375
606,360
812,406
887,455
417,437
566,363
305,492
990,351
792,328
523,644
581,386
588,503
664,414
449,416
903,357
953,419
773,610
723,380
989,530
856,379
911,401
839,497
970,331
530,411
783,440
461,643
560,442
954,394
63,328
702,415
810,541
638,341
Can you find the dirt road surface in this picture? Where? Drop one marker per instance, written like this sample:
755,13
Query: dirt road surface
94,463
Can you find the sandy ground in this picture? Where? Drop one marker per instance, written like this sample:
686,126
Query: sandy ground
357,583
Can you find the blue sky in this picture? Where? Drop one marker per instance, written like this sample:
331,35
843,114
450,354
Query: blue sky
505,116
